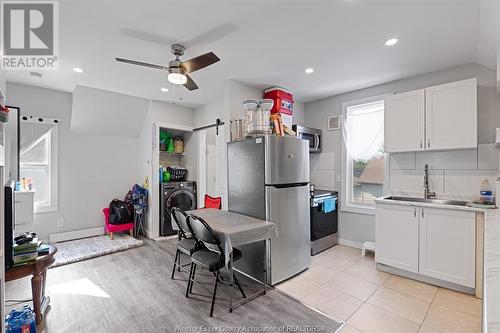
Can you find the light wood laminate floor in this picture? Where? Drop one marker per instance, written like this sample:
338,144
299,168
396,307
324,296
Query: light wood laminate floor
131,291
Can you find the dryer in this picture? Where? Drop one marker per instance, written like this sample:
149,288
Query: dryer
175,194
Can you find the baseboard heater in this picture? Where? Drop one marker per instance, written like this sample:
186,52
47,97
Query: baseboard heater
77,234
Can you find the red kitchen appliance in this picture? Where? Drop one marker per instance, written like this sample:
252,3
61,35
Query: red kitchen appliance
283,100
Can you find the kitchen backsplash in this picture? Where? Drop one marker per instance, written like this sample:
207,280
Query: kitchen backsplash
453,174
323,171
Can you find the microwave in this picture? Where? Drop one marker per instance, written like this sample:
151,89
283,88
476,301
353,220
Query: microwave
313,135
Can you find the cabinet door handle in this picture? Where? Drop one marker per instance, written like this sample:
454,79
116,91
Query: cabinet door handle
414,212
421,144
422,212
428,143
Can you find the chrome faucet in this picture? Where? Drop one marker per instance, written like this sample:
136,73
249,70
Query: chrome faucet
427,194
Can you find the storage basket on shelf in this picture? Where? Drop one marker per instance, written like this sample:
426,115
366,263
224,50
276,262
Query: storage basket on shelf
179,145
177,174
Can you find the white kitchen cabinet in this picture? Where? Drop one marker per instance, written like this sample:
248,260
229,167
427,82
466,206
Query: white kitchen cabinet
447,245
396,236
451,115
404,122
24,211
435,118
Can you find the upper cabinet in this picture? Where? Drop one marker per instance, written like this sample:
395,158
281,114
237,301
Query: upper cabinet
451,115
434,118
404,122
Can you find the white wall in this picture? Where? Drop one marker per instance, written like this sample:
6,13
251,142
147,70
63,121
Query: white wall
3,82
498,72
298,113
235,93
359,227
118,114
92,169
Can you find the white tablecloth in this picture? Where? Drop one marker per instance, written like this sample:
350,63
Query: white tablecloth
235,229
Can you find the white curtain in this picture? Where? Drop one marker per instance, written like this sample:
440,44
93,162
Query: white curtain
363,130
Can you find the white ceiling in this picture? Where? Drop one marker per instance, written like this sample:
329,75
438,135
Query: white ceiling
266,43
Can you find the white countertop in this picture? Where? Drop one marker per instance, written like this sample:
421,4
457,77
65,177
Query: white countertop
432,205
491,300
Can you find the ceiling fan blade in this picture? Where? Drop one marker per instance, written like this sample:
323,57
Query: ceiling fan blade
147,36
200,62
211,36
140,63
190,85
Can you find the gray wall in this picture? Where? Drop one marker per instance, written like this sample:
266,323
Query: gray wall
360,227
92,169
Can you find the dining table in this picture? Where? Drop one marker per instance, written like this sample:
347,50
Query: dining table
233,230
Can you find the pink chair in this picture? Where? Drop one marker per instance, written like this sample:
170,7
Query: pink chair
111,228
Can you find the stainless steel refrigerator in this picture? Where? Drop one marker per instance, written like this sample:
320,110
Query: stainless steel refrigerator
268,178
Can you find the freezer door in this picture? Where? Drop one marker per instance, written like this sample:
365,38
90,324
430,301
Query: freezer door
290,252
246,191
287,160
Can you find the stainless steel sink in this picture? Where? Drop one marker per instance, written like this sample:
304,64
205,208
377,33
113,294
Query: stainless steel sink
431,201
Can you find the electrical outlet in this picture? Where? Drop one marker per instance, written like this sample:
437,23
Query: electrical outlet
60,222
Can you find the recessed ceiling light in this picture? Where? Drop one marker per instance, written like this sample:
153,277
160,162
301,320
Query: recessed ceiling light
36,74
391,42
77,70
164,89
309,70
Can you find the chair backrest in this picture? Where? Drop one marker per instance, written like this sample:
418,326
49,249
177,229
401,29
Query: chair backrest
211,202
205,234
105,211
180,218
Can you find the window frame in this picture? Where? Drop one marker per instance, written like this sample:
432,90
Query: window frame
53,170
346,168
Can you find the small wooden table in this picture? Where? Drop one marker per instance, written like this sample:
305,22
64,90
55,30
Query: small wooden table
39,271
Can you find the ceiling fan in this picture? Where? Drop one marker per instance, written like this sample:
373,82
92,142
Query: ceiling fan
178,70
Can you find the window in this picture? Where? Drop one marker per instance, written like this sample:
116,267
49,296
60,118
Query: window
38,161
363,163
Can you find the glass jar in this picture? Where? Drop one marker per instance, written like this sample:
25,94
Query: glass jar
237,133
256,118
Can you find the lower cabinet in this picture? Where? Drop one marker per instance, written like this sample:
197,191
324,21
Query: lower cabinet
396,236
435,242
448,245
24,212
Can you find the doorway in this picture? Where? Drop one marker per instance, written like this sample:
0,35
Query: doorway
212,165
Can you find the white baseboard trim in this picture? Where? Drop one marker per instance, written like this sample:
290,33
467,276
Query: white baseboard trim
347,242
70,235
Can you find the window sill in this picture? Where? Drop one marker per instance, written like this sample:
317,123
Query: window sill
45,209
358,209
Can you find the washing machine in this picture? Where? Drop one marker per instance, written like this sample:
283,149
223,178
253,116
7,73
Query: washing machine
175,194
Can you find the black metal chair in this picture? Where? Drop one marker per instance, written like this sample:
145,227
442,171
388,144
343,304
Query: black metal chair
211,258
187,244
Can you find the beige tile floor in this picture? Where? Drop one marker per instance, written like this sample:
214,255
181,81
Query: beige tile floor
348,288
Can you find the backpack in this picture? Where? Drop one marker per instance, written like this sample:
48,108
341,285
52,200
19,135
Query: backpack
119,212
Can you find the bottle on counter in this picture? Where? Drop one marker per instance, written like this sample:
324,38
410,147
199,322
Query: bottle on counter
486,194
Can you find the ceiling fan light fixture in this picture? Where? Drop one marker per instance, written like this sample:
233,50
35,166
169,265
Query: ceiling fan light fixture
177,76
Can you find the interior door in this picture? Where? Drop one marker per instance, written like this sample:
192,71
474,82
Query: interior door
451,115
288,207
396,236
404,122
